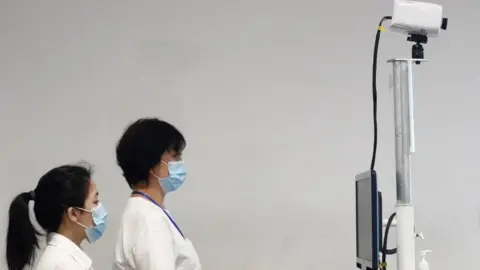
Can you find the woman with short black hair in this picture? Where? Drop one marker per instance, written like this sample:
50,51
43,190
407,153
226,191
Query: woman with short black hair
150,156
66,206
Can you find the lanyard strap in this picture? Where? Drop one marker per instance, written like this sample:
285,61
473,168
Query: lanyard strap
166,213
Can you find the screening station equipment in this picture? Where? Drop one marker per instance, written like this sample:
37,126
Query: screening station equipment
418,21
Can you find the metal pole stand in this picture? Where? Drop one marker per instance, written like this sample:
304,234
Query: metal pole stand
404,147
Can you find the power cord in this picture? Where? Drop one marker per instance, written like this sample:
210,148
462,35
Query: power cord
374,90
384,249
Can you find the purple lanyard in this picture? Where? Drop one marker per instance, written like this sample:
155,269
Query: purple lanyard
166,213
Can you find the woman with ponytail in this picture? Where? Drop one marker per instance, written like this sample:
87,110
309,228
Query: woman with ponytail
66,206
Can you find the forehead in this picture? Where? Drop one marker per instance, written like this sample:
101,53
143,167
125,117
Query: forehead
92,189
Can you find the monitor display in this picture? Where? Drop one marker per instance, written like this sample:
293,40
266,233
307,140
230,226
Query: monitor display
367,220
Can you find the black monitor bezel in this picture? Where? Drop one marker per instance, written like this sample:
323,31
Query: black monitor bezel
376,220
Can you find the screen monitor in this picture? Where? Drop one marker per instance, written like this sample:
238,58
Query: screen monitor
368,220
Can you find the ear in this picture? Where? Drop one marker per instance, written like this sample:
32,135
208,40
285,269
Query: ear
72,214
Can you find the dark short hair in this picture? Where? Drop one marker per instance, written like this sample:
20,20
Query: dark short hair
142,145
59,189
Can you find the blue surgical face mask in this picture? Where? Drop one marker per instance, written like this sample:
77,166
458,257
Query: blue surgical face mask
100,218
176,176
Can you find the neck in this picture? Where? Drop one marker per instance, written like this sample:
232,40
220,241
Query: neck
154,191
70,235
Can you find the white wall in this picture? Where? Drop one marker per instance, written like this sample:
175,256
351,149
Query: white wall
274,98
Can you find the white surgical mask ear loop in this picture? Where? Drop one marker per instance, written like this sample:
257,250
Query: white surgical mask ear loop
83,209
80,224
156,175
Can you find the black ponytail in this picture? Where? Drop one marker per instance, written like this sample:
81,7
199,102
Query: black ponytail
22,239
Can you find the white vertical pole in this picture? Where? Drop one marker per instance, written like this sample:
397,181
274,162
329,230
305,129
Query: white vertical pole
404,147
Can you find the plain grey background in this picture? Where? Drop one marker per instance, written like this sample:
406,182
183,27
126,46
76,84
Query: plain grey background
274,98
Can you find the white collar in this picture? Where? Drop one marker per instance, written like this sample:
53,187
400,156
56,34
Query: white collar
71,248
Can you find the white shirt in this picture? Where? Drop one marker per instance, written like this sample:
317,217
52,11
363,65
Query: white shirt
62,254
148,240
